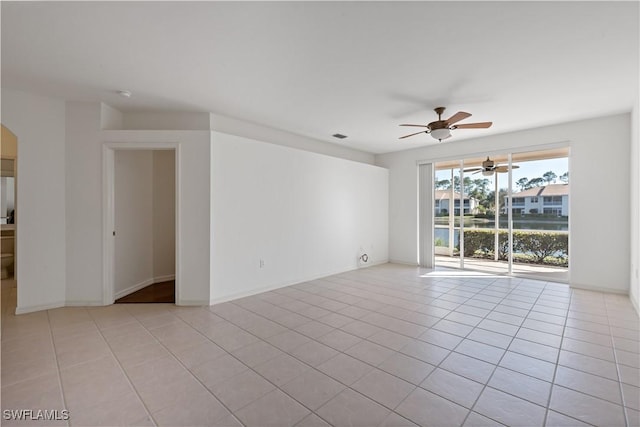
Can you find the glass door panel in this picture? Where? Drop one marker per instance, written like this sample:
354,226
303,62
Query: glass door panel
541,214
446,232
483,234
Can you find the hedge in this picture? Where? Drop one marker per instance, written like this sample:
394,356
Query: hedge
538,247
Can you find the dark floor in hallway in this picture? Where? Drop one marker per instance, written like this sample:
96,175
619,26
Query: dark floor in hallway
158,292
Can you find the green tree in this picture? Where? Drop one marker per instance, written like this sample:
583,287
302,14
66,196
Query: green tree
443,184
549,177
522,183
481,186
535,182
565,177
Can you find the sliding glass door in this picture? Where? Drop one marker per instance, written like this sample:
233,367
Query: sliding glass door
485,206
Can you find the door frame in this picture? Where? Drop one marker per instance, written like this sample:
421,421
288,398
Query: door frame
108,206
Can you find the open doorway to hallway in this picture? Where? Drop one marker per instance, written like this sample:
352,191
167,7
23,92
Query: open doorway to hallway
144,206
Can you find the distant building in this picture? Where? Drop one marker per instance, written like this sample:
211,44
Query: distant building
442,205
552,199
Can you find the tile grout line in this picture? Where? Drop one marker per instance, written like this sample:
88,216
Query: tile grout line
557,363
55,356
144,405
496,365
615,358
180,361
310,368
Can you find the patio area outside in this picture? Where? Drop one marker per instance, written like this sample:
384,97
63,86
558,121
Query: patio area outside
533,271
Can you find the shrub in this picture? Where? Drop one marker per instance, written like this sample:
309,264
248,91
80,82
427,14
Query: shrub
541,244
538,247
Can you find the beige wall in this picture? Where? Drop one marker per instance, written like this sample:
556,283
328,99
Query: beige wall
9,145
164,214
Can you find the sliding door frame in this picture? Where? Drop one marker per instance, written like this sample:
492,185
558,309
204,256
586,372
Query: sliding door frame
423,204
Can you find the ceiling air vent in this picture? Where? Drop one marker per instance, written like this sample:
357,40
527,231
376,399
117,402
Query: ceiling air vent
339,136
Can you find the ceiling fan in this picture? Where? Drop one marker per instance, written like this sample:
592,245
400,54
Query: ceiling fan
489,167
441,129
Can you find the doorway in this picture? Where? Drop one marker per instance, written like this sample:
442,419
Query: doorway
507,213
141,223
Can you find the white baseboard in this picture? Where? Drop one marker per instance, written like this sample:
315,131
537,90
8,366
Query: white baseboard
143,284
260,290
635,304
84,304
397,261
34,308
598,288
165,278
134,288
191,303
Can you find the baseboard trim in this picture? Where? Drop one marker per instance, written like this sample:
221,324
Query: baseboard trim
84,304
143,284
260,290
634,303
192,303
165,278
396,261
597,288
34,308
134,288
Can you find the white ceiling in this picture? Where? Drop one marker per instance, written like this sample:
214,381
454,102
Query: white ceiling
317,68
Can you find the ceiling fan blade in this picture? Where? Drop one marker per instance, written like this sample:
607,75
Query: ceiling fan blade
411,134
472,169
460,115
418,126
473,125
503,169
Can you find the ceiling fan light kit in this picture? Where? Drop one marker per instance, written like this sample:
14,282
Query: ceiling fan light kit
441,129
441,134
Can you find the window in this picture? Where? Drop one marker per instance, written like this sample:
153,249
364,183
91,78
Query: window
534,199
552,200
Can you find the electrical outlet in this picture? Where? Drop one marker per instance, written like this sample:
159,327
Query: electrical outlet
261,263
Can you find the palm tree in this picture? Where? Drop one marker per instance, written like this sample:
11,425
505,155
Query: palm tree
535,182
565,177
443,184
522,183
549,177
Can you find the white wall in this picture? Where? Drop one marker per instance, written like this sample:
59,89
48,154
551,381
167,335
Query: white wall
39,124
635,206
133,208
84,204
164,218
597,144
304,214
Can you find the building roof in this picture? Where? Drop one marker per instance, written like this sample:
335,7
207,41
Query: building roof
547,190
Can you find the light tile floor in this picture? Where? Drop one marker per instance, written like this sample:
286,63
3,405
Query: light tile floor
385,346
